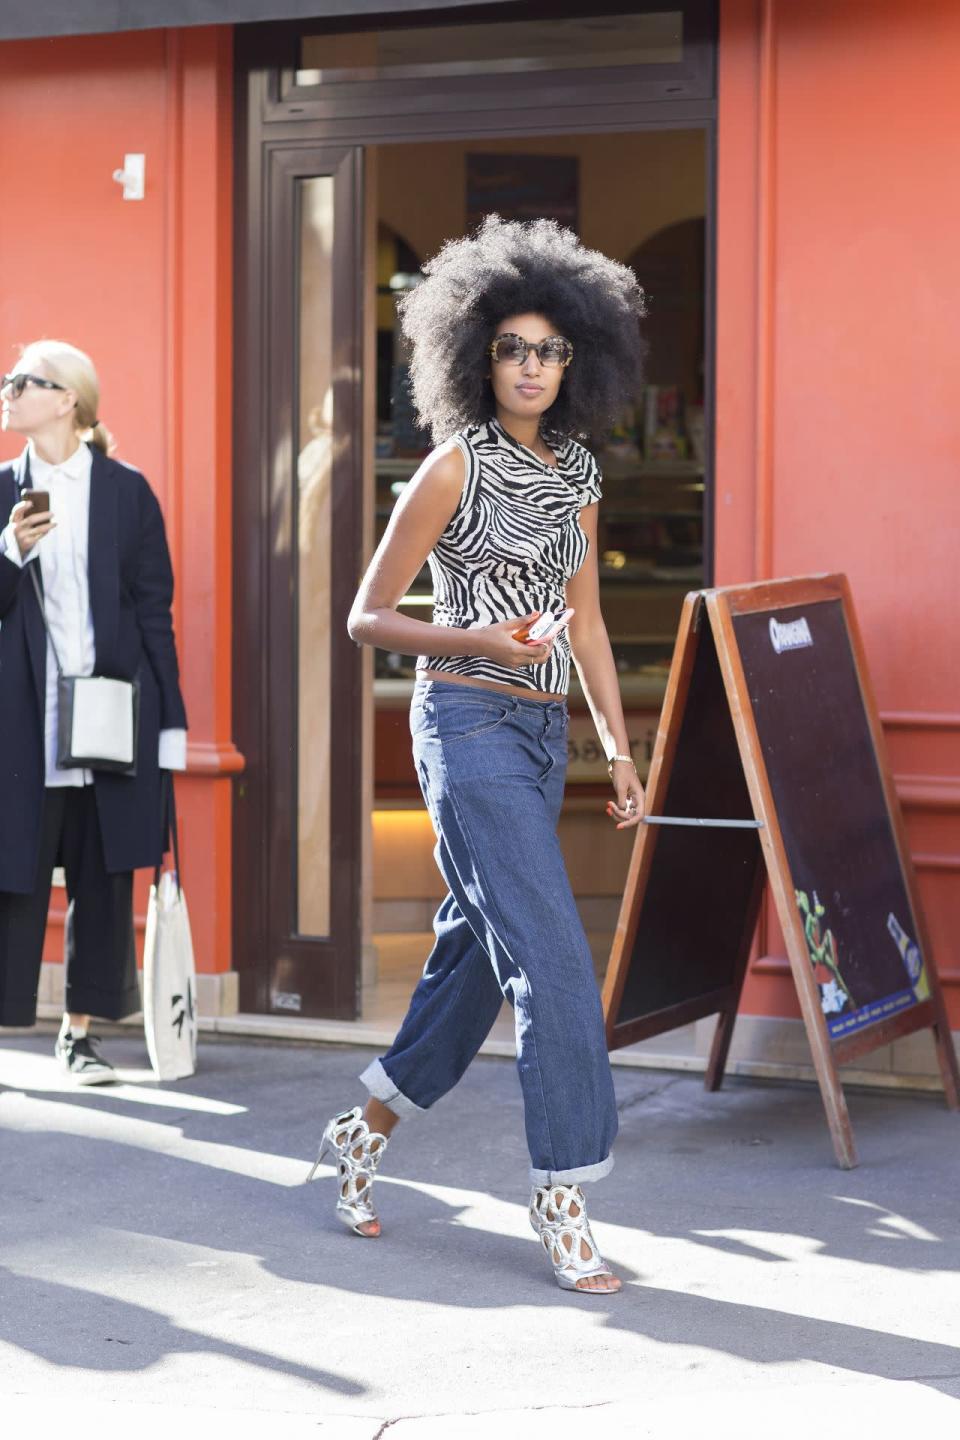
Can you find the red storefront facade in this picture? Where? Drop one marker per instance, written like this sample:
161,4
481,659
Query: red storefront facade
835,431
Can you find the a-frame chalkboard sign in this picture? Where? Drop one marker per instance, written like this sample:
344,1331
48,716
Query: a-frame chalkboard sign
769,763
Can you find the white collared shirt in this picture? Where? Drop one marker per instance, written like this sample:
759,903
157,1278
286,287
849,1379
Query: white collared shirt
66,588
63,555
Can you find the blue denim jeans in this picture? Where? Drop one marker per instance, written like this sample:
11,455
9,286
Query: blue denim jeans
492,768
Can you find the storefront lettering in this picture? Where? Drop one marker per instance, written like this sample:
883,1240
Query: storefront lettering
794,635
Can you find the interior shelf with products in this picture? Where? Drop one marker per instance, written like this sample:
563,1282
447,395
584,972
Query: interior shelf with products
653,457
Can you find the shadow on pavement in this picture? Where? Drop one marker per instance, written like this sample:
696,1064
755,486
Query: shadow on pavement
81,1329
690,1167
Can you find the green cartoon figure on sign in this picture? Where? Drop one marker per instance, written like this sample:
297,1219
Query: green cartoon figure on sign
822,948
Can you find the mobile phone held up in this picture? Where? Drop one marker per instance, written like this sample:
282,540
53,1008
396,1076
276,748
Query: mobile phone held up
39,501
544,629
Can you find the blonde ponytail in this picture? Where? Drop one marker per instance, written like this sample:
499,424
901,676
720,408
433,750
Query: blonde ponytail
99,436
75,370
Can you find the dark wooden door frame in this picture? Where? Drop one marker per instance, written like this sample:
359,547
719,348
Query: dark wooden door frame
414,105
271,120
279,968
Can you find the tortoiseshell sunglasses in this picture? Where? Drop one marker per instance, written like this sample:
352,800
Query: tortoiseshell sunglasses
512,349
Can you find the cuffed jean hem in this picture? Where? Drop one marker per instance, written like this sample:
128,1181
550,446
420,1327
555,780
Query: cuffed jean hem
382,1088
579,1175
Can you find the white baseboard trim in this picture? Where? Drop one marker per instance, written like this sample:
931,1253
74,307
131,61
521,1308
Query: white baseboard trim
763,1047
664,1053
216,995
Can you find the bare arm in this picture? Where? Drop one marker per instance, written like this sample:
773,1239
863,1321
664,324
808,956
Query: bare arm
590,646
419,518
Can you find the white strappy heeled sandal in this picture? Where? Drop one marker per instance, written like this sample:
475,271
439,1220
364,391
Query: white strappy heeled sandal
566,1236
358,1151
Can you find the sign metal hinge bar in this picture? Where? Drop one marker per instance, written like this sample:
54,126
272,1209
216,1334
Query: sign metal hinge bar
708,824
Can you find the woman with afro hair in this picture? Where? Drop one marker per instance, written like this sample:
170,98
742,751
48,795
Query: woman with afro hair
522,341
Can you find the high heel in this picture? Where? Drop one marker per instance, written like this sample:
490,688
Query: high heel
565,1235
358,1151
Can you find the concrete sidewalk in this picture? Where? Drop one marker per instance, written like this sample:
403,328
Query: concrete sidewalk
163,1267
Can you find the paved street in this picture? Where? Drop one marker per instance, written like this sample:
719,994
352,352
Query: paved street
161,1260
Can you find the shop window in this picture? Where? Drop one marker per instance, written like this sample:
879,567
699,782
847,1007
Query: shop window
508,57
651,538
567,43
400,443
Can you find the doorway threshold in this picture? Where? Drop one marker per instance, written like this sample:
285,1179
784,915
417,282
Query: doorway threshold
764,1047
679,1051
675,1056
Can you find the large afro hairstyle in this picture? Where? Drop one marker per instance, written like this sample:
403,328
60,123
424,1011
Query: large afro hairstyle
511,267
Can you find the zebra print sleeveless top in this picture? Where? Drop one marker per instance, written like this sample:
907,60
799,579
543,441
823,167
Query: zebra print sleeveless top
510,547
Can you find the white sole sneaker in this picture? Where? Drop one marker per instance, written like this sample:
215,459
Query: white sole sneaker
81,1060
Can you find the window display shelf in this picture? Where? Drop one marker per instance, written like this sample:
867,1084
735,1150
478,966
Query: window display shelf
617,467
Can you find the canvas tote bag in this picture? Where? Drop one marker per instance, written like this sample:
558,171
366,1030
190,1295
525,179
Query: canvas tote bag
169,974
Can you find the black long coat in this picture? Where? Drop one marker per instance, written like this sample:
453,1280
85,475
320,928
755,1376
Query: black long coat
131,589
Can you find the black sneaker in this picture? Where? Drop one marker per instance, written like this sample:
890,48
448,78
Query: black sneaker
80,1057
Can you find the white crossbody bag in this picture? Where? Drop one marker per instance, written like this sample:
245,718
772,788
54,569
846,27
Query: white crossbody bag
98,718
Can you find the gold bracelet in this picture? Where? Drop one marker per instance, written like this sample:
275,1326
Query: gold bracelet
627,759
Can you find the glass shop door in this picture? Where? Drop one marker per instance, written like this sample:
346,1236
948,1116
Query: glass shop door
297,901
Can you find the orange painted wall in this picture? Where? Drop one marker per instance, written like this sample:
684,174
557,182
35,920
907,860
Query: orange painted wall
838,428
145,287
838,431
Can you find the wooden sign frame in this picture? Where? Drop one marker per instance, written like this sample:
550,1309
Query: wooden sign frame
716,611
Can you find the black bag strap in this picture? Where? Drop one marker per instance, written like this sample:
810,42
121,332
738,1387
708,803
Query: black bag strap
171,830
32,567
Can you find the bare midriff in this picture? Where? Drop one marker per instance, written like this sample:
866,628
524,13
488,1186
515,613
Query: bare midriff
494,685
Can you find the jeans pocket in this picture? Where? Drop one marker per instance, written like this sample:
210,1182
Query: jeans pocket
420,716
467,719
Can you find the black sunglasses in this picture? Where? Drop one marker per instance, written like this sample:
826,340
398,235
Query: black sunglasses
16,384
510,349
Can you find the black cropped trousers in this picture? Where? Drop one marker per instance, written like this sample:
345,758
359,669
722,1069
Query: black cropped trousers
101,961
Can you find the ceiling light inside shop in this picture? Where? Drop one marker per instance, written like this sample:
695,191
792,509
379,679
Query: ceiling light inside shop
401,280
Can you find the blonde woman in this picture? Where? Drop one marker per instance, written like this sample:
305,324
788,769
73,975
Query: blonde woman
91,530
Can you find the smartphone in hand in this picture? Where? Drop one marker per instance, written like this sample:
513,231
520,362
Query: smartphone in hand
38,500
544,629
